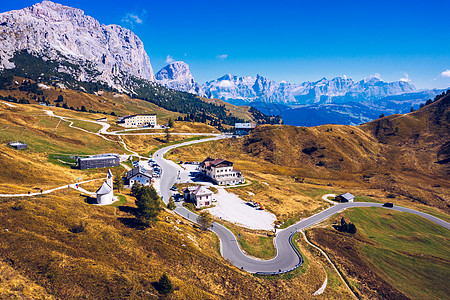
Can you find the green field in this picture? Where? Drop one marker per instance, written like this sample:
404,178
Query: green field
41,136
92,127
411,253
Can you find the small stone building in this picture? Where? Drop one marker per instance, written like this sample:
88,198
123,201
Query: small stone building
199,195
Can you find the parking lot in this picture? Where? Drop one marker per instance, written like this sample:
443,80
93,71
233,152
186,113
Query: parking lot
229,206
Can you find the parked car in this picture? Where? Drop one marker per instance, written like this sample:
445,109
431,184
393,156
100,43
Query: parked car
173,188
388,204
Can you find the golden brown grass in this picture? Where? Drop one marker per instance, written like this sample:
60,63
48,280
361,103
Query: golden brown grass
340,159
118,103
37,167
112,259
15,286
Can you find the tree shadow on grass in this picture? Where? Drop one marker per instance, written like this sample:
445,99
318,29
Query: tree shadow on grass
133,223
156,285
160,140
89,200
128,209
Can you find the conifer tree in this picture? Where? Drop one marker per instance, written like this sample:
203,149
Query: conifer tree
165,285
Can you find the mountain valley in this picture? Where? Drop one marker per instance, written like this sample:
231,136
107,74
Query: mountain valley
67,86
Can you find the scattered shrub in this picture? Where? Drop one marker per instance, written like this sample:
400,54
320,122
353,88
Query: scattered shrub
164,285
171,205
309,150
78,228
17,206
204,220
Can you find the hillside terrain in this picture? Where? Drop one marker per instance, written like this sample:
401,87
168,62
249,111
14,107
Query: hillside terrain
404,156
120,260
401,159
393,255
110,257
53,144
22,90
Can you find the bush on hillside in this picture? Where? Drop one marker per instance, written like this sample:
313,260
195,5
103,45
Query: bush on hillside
164,285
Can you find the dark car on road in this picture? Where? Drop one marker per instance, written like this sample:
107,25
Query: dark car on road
388,204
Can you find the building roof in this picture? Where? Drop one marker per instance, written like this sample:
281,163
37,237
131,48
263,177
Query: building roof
210,162
347,196
244,125
201,190
137,170
132,116
198,190
98,157
208,159
219,161
18,143
104,189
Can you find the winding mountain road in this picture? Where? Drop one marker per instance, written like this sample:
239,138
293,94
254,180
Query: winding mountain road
286,258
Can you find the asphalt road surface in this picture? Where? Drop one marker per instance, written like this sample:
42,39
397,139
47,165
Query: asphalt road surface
286,258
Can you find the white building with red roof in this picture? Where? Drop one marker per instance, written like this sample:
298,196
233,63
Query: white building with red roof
221,171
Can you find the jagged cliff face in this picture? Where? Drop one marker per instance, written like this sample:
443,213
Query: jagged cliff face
177,76
105,53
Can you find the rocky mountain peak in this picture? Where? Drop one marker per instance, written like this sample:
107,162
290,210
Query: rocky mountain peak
96,52
177,75
174,71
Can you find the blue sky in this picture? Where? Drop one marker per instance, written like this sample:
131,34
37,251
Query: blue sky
293,40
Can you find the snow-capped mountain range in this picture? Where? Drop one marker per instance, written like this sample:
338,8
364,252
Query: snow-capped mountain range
106,53
260,89
339,100
244,90
63,46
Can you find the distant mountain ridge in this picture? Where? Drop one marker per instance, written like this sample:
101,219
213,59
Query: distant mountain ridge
339,100
250,89
244,90
81,46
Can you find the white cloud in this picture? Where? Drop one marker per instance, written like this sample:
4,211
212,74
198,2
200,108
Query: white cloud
169,59
134,18
446,73
377,75
222,56
405,78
